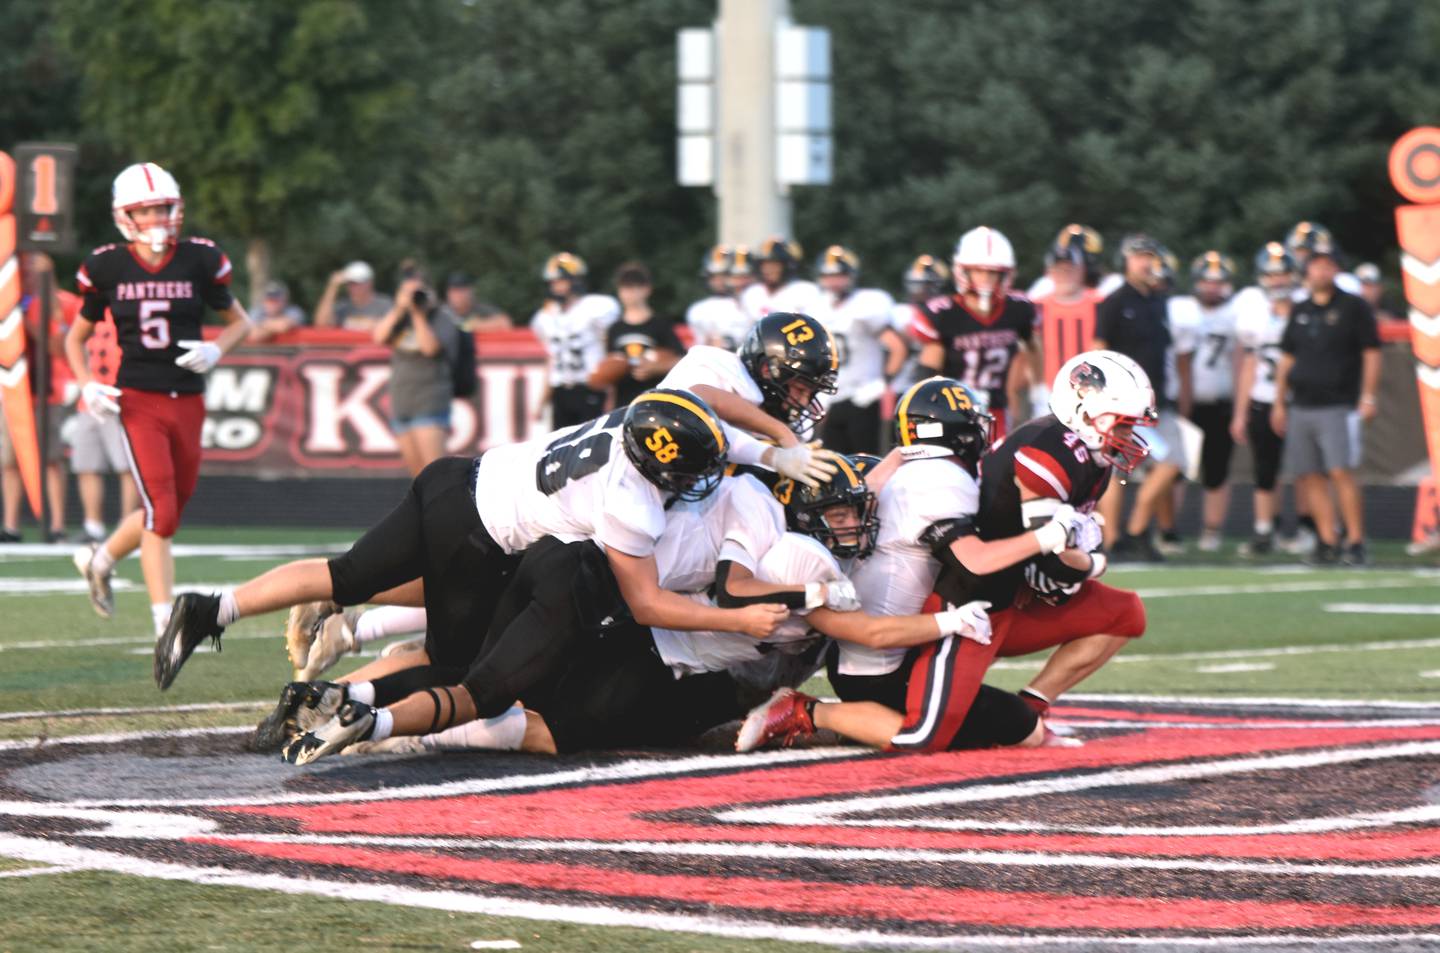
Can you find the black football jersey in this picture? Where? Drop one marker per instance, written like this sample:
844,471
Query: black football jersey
978,351
1046,458
155,308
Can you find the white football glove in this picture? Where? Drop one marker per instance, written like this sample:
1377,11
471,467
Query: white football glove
839,595
101,400
970,621
804,463
1089,534
1057,535
199,356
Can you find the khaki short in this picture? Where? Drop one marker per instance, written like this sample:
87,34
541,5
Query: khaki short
97,447
56,448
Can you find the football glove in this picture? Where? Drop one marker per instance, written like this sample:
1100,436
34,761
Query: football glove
199,356
970,621
101,400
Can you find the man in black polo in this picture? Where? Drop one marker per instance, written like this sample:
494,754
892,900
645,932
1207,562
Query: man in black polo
1134,320
1330,367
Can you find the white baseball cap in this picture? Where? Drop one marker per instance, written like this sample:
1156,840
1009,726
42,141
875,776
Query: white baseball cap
358,273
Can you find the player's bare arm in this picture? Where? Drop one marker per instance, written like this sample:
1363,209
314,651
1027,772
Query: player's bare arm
738,412
639,581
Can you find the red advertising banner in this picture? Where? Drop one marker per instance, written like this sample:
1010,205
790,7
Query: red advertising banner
317,400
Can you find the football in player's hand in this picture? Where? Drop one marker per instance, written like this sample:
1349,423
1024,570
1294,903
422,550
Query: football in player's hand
609,371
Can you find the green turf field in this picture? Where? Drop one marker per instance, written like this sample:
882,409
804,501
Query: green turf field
1231,631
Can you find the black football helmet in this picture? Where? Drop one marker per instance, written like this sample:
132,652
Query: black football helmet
942,412
838,260
805,508
676,442
742,262
1213,266
566,265
1310,238
785,347
926,276
1080,244
864,462
1273,259
717,262
786,251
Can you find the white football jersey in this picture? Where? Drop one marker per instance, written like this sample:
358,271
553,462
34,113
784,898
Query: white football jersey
900,574
574,338
798,296
576,483
1259,329
793,560
722,370
737,523
855,322
719,320
1208,334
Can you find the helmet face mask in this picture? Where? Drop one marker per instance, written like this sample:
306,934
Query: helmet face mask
981,253
841,513
793,360
675,440
1102,397
147,186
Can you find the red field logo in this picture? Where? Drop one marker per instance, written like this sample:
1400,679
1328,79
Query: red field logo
1163,826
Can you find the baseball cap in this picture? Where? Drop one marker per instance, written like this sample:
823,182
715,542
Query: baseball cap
357,272
276,289
1368,273
459,279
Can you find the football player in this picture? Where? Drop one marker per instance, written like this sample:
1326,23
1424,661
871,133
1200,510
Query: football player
870,351
717,320
1065,306
1302,240
780,288
464,521
1204,325
571,325
157,286
974,334
1261,314
929,511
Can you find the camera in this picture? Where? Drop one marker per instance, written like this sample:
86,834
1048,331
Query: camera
420,298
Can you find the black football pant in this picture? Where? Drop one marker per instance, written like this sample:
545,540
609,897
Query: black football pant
435,534
575,405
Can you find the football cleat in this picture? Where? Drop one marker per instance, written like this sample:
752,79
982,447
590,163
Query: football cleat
785,716
302,706
352,723
1060,737
102,597
193,619
335,637
395,744
413,644
302,626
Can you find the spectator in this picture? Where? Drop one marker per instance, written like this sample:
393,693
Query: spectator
362,305
37,268
1372,289
467,312
1329,369
425,343
98,447
642,346
1133,320
571,325
276,315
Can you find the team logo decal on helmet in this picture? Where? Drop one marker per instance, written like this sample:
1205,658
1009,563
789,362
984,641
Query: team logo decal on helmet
566,266
942,417
821,511
146,185
792,357
676,442
1102,396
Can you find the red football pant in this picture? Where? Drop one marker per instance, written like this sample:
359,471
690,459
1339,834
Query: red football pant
162,440
947,674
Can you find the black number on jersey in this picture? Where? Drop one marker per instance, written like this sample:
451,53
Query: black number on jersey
1219,344
573,455
1269,362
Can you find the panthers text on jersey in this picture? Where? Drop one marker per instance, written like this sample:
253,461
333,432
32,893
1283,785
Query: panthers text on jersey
156,307
1258,329
799,296
900,574
1209,335
855,322
793,560
978,351
574,337
1047,459
718,320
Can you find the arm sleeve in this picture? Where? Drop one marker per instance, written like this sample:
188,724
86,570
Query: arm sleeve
725,599
94,301
744,449
922,327
939,535
216,288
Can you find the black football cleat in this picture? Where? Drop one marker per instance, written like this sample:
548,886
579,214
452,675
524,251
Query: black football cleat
302,706
193,619
353,722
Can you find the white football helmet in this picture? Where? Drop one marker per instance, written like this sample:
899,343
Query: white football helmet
141,185
1102,396
984,248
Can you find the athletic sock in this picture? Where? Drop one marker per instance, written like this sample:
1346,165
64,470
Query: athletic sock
363,692
229,611
102,562
384,724
94,529
160,615
1264,527
502,733
384,621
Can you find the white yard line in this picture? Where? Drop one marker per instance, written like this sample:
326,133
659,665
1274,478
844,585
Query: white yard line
1384,608
149,710
1250,701
29,550
40,871
1260,589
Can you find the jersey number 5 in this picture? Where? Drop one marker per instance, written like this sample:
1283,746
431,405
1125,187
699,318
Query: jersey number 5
155,324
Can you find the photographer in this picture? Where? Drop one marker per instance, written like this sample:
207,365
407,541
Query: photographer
424,344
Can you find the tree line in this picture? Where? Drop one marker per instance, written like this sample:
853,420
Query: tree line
485,134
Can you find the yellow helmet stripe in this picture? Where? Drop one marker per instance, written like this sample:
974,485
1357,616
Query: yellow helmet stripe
848,471
695,409
900,414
